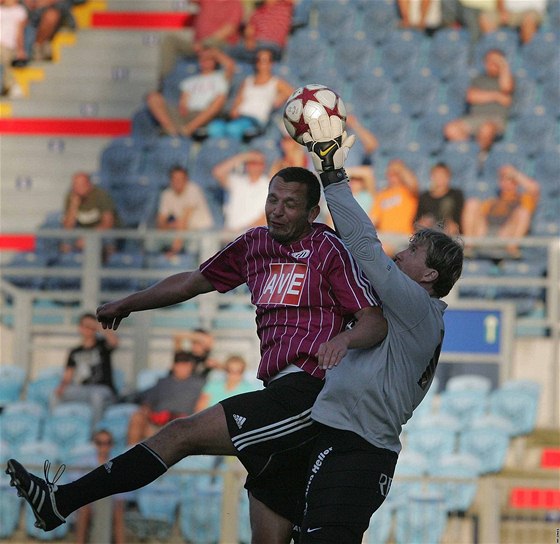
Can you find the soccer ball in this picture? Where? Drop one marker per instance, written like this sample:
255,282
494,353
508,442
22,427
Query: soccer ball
310,102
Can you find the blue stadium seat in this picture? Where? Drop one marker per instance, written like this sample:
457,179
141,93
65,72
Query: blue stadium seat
351,55
120,158
458,495
475,268
526,298
144,125
76,409
335,24
136,199
430,440
532,133
12,379
159,502
10,509
370,94
116,419
448,54
524,97
469,382
41,388
73,260
464,405
162,154
380,525
211,152
124,261
26,260
183,69
33,451
147,377
550,95
17,428
547,168
417,92
401,53
67,430
303,45
541,55
379,20
488,440
461,157
500,155
519,407
504,39
411,465
429,132
392,129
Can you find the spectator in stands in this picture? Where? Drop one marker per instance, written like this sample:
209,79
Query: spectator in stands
13,19
217,24
46,17
423,15
88,376
243,177
394,207
85,516
87,207
203,96
488,98
507,215
201,343
182,207
171,397
268,27
259,95
233,383
524,15
441,205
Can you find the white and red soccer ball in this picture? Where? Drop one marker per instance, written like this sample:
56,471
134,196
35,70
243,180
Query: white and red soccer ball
310,102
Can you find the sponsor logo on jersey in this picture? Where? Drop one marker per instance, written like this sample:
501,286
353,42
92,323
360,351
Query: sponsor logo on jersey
239,420
301,254
108,466
284,284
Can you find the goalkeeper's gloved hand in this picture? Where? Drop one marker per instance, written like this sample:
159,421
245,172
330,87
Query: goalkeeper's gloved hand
328,143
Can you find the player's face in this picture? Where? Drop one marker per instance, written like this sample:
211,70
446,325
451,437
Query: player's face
412,261
286,211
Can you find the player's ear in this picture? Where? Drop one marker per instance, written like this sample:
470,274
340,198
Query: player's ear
313,213
431,275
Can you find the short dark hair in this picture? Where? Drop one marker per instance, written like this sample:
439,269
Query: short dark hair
178,168
184,356
87,315
444,254
443,165
305,176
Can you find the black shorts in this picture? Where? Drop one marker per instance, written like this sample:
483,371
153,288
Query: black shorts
348,480
272,431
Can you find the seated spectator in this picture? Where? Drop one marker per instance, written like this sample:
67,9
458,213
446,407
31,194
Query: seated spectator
489,98
182,207
507,215
87,206
13,19
243,178
259,95
171,397
203,96
233,383
524,15
420,14
441,205
394,207
87,516
200,343
268,27
88,376
216,24
46,17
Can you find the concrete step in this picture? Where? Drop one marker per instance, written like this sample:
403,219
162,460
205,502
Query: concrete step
100,72
92,91
150,5
76,108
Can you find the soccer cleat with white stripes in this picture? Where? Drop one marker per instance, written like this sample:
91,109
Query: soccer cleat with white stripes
38,492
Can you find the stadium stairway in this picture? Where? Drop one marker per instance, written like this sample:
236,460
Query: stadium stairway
69,109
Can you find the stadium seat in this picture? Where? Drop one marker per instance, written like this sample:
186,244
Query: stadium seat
183,69
526,298
401,53
461,157
126,280
392,129
335,24
351,55
26,260
162,154
524,97
379,20
67,430
67,261
504,39
305,44
10,509
33,451
469,382
458,495
421,519
428,136
433,436
417,92
550,95
158,502
79,410
41,388
144,125
369,94
500,155
541,55
487,439
465,405
116,419
448,54
547,167
147,377
211,152
136,198
532,133
518,406
380,526
12,379
120,158
18,428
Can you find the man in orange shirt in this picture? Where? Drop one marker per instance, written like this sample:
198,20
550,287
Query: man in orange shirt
394,207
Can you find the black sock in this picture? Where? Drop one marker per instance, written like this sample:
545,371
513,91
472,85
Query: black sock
135,468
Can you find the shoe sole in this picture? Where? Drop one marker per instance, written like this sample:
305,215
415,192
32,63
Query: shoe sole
14,482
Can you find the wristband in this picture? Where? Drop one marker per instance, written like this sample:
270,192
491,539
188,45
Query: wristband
333,176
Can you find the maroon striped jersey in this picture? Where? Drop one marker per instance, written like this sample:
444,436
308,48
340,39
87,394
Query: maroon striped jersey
305,293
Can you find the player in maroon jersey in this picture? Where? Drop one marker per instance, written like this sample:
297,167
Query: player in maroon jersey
306,288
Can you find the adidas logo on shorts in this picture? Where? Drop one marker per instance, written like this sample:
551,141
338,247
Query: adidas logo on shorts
239,420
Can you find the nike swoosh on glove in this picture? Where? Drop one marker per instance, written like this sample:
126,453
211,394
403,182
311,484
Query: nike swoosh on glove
328,143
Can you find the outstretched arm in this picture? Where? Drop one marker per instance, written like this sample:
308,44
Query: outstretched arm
171,290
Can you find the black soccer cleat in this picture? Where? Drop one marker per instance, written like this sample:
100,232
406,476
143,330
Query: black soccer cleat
38,492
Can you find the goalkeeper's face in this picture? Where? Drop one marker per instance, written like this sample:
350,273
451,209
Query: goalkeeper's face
287,216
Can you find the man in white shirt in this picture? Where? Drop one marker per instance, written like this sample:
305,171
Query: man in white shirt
182,207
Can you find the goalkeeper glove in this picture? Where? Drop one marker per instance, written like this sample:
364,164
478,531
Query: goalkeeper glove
328,143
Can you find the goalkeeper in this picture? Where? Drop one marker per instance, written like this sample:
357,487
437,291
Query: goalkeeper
372,392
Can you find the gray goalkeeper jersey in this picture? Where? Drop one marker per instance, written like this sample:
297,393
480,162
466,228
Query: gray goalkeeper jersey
373,392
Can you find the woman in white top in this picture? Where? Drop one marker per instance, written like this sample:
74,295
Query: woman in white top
259,95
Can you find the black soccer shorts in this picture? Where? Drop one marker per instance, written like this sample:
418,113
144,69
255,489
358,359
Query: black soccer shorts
272,431
348,480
